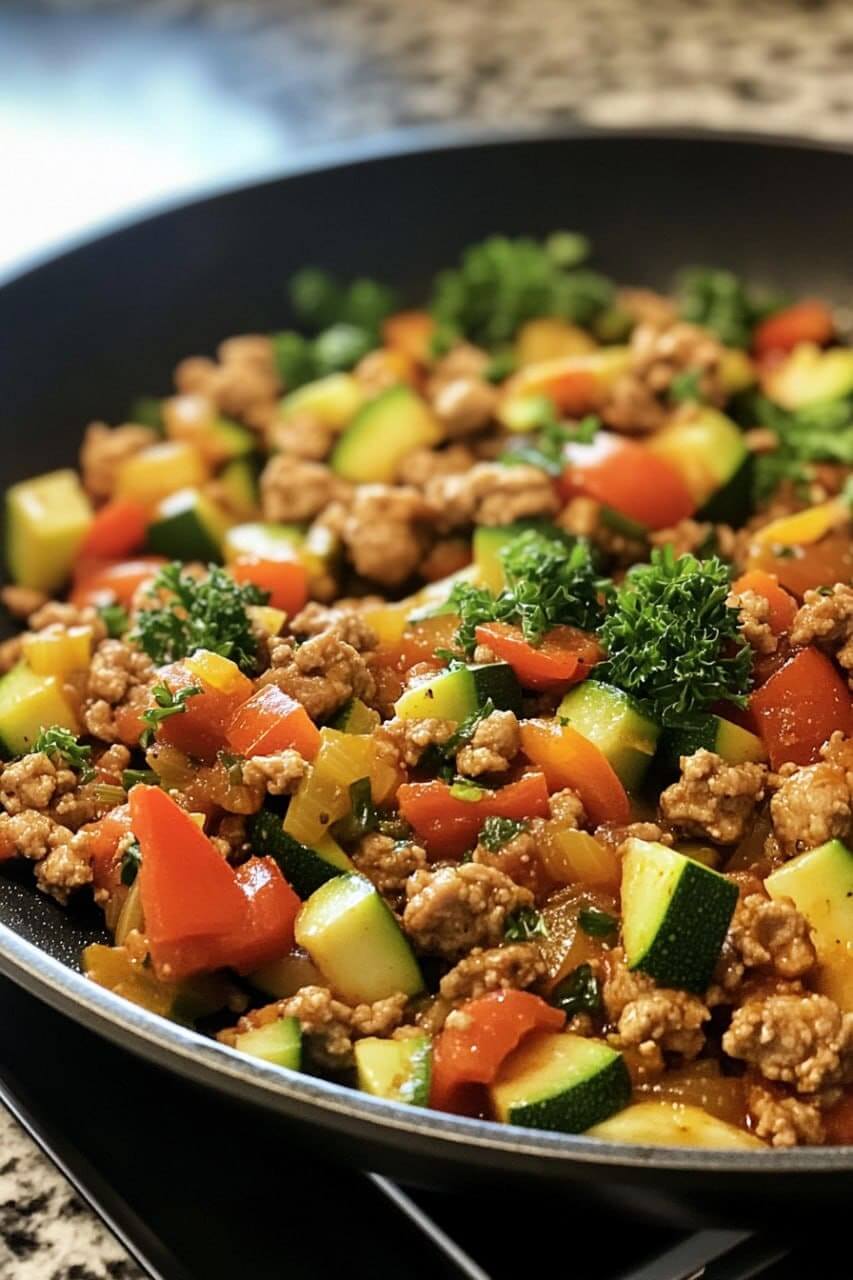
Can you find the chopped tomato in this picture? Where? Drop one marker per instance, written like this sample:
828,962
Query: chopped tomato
629,478
202,728
99,582
272,721
117,530
448,825
473,1053
129,723
565,656
410,332
800,707
807,321
782,605
285,580
568,759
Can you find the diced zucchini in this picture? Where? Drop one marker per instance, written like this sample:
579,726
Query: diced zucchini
809,375
356,943
382,433
616,724
333,400
734,744
188,526
115,969
487,544
734,502
278,1042
28,704
304,869
225,440
399,1070
455,695
47,519
238,482
564,1082
56,653
287,975
675,914
159,470
672,1124
820,884
356,717
705,446
323,796
264,540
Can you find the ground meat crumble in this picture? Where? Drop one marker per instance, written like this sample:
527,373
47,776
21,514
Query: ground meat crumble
713,798
452,909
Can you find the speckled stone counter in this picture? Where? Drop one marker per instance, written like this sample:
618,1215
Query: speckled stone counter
287,73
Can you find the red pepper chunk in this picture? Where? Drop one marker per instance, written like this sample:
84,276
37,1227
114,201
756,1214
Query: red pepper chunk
272,721
807,321
201,730
565,656
628,478
117,530
286,581
97,581
495,1024
271,909
783,606
800,707
568,759
447,825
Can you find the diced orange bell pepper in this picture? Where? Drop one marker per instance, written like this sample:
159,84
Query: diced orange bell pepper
800,707
102,839
472,1053
201,730
410,332
807,321
117,530
568,759
285,580
629,478
782,605
565,656
447,825
99,582
272,721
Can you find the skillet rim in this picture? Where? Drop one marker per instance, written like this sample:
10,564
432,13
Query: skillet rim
202,1060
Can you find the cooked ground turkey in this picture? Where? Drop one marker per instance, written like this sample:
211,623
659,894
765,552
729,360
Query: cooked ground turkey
244,383
386,531
768,936
754,613
104,450
650,1017
388,863
493,746
452,909
783,1120
801,1039
403,742
278,774
814,803
828,619
713,798
490,493
295,490
322,674
346,623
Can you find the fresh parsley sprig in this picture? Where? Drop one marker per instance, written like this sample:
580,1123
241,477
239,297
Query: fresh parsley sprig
816,433
168,704
524,925
546,449
63,747
498,832
189,613
720,301
671,639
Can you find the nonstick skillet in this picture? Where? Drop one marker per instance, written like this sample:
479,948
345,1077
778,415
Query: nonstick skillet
86,332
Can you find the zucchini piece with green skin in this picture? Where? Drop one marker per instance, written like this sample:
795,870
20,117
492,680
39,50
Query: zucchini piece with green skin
304,869
332,401
734,502
809,375
380,435
399,1070
706,447
263,539
621,730
28,704
356,717
675,915
47,519
726,739
456,695
188,526
238,481
226,440
564,1082
667,1124
355,941
820,884
278,1042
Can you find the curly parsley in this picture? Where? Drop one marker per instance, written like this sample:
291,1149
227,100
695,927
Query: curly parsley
168,704
817,433
115,618
671,639
525,924
199,613
580,992
345,318
62,746
718,300
547,448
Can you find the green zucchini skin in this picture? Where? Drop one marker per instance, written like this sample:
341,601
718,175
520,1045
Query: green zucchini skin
581,1106
712,733
733,503
304,869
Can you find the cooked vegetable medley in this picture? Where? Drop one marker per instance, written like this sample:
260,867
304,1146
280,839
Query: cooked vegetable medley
457,702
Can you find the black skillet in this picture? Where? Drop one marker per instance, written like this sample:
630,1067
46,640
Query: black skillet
86,332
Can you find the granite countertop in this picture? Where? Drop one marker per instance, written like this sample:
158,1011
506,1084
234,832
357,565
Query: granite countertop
276,75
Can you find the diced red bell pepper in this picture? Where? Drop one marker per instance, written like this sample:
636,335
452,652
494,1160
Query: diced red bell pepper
286,581
800,707
495,1024
447,825
271,909
807,321
272,721
201,730
102,839
629,478
99,582
782,605
568,759
117,530
565,656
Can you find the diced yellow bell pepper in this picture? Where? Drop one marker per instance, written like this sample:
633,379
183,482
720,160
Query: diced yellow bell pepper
269,620
130,917
737,372
28,704
52,653
549,338
113,968
47,519
199,819
218,672
159,470
332,400
804,527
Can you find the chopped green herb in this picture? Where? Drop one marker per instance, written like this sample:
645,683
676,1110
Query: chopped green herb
108,793
345,319
442,758
580,992
199,613
685,387
671,639
394,826
63,747
817,433
130,862
148,412
719,301
145,777
233,766
498,832
598,924
462,789
501,365
362,817
525,924
116,620
168,704
547,449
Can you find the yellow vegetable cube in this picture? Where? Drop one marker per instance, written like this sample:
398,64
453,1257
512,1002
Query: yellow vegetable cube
159,470
47,519
55,653
218,672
